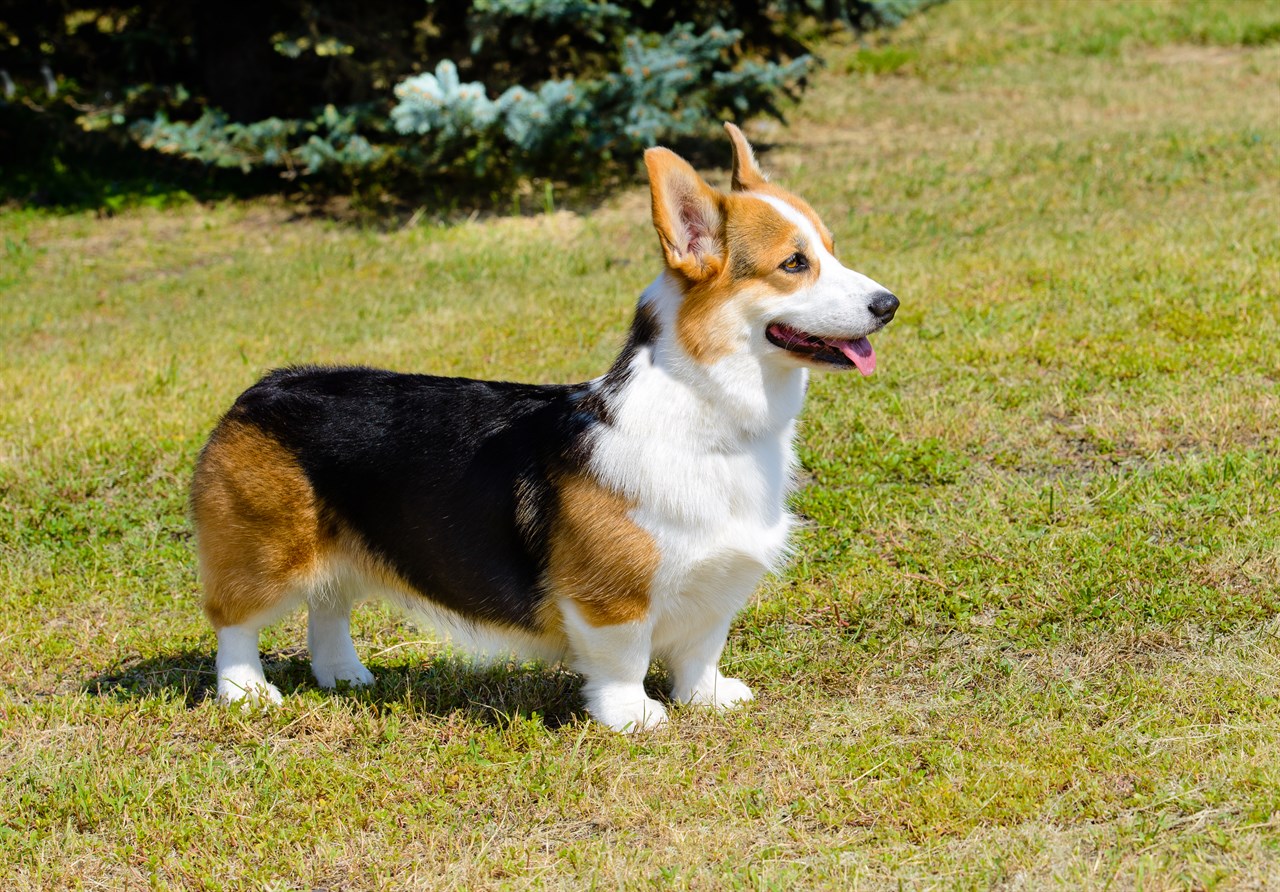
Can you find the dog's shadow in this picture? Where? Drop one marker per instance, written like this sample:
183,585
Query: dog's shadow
436,686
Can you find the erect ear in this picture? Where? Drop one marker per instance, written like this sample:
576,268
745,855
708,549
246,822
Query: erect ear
746,173
687,215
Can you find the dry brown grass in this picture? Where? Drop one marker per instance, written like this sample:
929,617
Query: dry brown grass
1029,637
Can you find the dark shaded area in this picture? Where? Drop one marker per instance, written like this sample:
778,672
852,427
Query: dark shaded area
255,60
433,688
47,161
74,75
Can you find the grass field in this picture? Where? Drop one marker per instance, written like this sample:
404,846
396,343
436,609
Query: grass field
1030,637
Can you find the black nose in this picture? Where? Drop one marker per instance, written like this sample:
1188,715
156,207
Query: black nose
883,306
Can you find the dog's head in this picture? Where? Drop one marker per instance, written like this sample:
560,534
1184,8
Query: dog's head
757,271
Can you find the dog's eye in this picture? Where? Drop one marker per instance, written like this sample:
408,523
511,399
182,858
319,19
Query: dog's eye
796,263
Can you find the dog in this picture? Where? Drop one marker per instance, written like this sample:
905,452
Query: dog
605,524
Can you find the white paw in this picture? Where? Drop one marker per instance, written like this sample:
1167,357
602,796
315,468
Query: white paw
630,712
723,693
249,691
354,674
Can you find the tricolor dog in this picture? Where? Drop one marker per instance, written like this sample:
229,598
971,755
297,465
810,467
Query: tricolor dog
605,524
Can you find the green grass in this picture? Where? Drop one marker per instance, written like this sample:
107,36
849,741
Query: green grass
1029,639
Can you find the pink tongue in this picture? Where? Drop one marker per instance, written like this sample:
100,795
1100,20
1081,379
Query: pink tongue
860,354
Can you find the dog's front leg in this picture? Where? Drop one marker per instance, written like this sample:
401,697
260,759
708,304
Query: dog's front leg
614,659
696,672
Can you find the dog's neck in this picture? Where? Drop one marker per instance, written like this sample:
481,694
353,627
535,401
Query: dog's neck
740,397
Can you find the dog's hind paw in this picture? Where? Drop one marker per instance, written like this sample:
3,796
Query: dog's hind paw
354,674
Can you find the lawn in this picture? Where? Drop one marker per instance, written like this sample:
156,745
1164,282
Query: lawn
1031,634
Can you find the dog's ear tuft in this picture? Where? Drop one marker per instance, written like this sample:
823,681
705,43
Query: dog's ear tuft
687,214
746,173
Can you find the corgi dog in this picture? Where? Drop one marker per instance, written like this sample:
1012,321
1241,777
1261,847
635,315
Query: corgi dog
605,524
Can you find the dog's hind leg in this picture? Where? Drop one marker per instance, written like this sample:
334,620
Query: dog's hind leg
260,547
240,675
333,654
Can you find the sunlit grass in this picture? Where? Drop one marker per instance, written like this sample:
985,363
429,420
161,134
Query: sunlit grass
1029,636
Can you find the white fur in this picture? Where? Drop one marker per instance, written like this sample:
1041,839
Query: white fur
615,660
240,677
483,643
333,654
705,454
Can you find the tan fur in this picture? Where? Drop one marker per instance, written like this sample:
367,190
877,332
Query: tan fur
740,260
681,196
265,539
757,239
746,173
598,558
747,177
803,207
258,521
349,549
699,324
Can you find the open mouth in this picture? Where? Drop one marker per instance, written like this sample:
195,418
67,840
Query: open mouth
840,352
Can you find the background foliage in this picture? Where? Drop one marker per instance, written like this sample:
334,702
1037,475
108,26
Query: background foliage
398,89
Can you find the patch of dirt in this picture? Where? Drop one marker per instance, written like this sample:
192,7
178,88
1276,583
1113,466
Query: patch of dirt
1187,54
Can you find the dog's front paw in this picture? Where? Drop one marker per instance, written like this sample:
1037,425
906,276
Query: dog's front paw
626,710
643,716
354,674
248,692
721,693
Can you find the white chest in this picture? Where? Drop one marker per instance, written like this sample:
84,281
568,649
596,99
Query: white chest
713,500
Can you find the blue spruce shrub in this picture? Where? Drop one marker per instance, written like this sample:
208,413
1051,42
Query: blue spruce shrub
442,104
482,89
329,141
669,85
